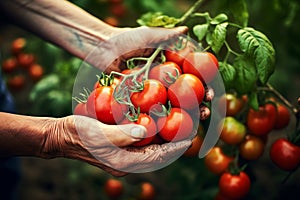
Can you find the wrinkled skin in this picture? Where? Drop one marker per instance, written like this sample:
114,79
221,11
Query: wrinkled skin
105,146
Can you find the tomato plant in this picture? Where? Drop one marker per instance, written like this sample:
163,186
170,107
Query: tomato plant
186,92
204,65
18,45
216,161
233,132
285,154
232,103
234,186
9,65
36,72
262,121
16,82
25,60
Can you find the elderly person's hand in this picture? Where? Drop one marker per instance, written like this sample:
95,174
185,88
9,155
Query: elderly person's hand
85,139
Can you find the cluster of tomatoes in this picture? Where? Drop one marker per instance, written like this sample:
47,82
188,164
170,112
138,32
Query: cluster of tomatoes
165,98
114,189
20,65
243,138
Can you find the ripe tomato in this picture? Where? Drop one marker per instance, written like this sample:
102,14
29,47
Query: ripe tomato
153,94
81,109
164,73
9,65
177,125
233,131
282,117
252,147
101,105
204,65
26,59
147,191
216,161
232,103
261,122
234,186
16,82
194,149
178,54
111,20
285,154
36,72
18,45
186,92
118,9
113,188
149,123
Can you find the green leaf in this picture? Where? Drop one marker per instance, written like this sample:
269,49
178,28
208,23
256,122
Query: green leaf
200,31
239,10
258,46
228,74
253,101
219,36
157,19
246,75
219,19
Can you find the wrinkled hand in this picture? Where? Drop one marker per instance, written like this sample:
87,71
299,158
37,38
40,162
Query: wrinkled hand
127,43
106,146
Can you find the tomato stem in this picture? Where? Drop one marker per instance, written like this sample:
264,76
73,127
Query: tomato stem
190,11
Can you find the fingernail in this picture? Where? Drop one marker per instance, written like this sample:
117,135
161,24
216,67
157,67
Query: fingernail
137,132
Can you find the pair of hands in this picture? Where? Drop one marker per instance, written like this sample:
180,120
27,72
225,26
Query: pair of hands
106,146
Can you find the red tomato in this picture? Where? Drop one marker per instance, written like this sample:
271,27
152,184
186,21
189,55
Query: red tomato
234,186
26,59
9,65
16,82
186,92
252,147
36,72
149,123
18,45
177,125
113,188
113,21
165,73
81,109
204,65
102,106
118,9
147,191
233,131
285,154
261,122
216,161
194,149
282,117
177,51
153,94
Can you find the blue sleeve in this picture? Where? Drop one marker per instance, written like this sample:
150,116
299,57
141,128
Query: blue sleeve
7,103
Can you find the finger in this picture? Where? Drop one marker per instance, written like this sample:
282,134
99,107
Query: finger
124,135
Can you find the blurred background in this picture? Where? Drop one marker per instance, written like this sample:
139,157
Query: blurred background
50,83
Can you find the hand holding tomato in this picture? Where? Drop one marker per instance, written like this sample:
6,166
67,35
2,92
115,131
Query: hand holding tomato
106,146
